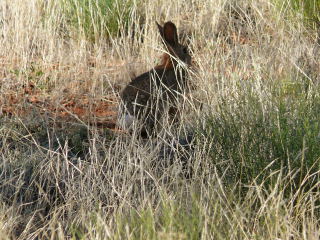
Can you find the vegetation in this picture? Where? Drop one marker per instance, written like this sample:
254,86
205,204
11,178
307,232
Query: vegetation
310,11
242,163
95,20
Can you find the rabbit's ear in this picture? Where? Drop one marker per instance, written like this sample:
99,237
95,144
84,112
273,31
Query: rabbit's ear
169,33
160,29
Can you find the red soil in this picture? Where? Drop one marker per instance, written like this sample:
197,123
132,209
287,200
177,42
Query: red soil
25,100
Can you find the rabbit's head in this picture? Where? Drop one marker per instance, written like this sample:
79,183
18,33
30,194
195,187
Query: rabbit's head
169,36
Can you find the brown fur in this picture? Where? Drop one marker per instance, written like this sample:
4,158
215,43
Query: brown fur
166,62
152,94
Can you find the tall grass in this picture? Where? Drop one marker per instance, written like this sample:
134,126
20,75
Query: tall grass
310,9
257,136
306,10
96,20
252,113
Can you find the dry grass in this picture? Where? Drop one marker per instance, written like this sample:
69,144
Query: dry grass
253,117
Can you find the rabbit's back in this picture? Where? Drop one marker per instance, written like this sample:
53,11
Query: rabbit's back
159,84
153,94
139,89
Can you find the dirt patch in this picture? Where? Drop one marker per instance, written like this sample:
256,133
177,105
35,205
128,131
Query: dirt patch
23,100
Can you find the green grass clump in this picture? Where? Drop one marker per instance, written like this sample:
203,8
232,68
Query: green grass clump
309,10
170,220
254,136
95,20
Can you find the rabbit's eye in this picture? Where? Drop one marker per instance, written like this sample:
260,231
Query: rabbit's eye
185,50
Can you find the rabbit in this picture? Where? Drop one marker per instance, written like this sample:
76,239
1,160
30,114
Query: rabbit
149,95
